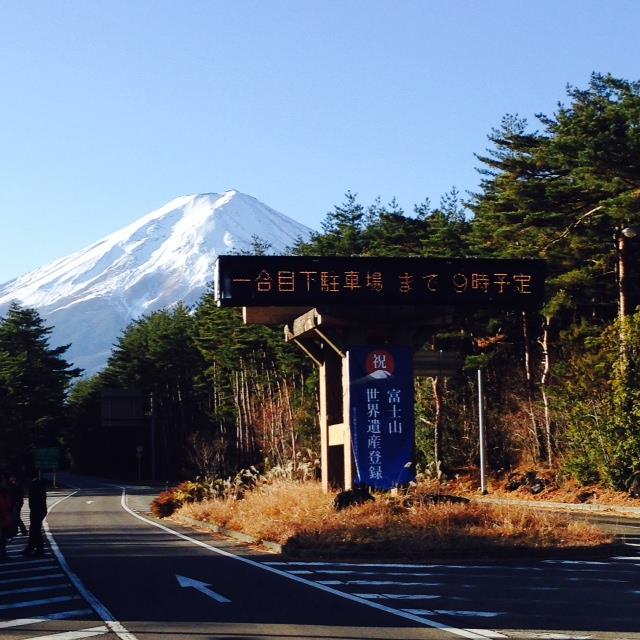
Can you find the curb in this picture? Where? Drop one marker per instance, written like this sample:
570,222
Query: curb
275,547
632,512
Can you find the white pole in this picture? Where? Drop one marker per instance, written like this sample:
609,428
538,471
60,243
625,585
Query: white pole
482,443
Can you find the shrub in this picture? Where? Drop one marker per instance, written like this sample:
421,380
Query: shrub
165,504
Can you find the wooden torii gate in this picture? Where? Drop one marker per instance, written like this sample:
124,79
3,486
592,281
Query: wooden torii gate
329,306
325,335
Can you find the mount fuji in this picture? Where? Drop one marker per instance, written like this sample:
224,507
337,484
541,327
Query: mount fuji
165,257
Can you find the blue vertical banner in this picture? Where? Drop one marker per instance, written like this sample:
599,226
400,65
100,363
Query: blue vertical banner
381,409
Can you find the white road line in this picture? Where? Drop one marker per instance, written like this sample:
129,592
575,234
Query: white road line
598,562
379,583
397,596
105,615
63,615
73,635
35,603
488,633
352,564
342,572
437,567
636,558
528,635
456,612
348,596
302,572
47,587
32,578
583,579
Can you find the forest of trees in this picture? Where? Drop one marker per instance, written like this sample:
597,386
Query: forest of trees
563,385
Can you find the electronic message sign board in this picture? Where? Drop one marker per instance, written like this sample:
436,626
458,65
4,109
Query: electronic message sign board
277,281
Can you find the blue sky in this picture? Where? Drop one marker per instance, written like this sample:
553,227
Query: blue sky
110,109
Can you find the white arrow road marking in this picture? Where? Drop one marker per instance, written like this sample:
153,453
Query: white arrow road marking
89,501
75,635
64,615
202,587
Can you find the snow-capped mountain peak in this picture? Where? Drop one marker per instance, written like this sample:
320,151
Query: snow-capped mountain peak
164,257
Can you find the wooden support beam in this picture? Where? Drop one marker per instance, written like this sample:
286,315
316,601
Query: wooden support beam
311,349
270,315
332,340
346,398
336,434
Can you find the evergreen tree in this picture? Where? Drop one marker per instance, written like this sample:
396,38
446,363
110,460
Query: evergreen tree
157,355
34,380
341,231
443,230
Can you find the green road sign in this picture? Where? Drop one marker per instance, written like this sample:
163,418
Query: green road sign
47,458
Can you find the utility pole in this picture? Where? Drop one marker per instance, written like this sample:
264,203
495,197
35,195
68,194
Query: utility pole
481,437
621,237
153,439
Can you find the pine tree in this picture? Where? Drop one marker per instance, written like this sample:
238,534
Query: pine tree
34,381
341,233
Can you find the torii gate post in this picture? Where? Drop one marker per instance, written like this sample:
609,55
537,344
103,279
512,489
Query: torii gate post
328,337
340,309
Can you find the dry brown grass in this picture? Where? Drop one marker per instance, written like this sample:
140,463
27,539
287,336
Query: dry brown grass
300,516
557,490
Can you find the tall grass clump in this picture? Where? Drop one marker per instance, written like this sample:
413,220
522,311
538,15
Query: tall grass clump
300,516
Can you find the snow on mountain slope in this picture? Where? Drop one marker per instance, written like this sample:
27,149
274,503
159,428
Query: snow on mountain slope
164,257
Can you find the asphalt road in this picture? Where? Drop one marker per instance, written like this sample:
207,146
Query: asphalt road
114,573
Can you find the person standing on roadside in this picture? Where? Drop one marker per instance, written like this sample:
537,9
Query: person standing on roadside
37,513
17,500
6,517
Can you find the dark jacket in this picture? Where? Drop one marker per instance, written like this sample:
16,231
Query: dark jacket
17,495
37,498
6,516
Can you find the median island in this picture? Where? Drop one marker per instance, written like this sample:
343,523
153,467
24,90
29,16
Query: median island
414,524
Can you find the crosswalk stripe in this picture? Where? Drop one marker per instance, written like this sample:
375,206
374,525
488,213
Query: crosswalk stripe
34,603
73,635
53,567
63,615
396,596
380,583
457,612
46,587
21,562
32,578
